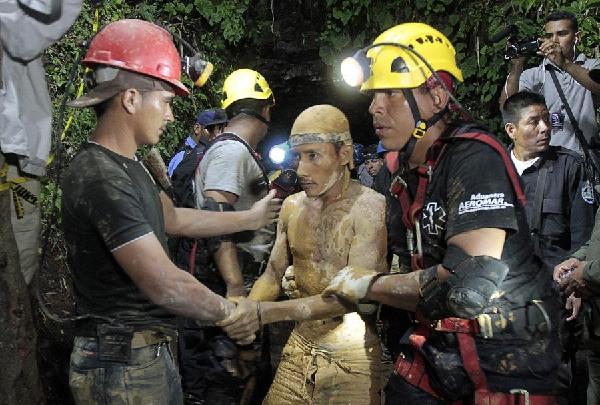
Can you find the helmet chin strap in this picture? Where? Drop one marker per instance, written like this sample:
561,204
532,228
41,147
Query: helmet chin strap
421,127
256,115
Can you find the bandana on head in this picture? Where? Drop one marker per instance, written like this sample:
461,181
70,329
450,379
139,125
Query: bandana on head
331,137
321,124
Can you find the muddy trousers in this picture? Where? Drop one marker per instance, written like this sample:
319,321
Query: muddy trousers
309,375
150,377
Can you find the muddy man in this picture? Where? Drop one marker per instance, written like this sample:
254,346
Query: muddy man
333,355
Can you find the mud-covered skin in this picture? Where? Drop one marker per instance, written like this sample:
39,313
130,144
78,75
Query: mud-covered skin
335,240
322,240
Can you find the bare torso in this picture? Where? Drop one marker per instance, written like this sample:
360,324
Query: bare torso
323,240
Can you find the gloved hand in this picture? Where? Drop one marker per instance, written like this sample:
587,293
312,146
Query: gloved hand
288,284
351,283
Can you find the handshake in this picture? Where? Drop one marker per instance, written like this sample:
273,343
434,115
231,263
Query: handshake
242,324
350,284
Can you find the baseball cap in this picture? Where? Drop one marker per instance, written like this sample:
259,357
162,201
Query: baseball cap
212,116
370,152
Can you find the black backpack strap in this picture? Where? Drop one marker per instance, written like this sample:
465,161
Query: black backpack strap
578,133
230,136
591,166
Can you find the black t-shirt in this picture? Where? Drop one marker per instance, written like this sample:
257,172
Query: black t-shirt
470,189
108,201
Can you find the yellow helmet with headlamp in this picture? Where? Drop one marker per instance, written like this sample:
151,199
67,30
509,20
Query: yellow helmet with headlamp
399,59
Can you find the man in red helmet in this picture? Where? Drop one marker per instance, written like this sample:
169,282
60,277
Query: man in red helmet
116,220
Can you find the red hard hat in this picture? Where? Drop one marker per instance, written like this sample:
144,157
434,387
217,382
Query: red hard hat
138,46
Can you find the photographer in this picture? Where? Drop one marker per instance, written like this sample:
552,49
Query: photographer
561,35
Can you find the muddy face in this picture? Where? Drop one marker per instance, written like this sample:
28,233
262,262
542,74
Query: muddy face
320,168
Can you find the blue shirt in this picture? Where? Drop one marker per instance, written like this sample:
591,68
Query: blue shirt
175,160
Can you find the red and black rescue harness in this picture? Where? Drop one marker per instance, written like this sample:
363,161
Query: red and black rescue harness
414,371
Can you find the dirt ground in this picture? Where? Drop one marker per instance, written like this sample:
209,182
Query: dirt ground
55,339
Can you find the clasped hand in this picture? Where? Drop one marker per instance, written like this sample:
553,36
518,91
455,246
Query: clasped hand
243,323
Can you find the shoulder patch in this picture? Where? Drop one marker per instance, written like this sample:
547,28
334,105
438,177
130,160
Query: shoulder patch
587,192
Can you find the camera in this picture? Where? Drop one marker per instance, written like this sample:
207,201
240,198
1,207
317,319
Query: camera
514,47
527,47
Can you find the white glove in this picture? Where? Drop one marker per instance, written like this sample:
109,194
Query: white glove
351,283
288,284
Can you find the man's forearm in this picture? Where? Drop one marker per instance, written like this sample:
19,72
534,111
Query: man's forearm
266,288
302,309
147,264
229,268
397,290
193,223
591,275
512,84
185,296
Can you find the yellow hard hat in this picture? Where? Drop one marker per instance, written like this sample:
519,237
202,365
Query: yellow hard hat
245,83
394,67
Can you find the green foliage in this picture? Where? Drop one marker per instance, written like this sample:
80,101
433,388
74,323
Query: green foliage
231,33
210,26
468,25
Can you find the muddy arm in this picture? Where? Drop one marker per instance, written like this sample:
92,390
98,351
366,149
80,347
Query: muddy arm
367,249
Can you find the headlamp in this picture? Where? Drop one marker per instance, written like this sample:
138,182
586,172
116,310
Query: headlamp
198,69
279,153
356,69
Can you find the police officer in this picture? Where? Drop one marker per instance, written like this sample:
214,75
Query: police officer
560,203
482,301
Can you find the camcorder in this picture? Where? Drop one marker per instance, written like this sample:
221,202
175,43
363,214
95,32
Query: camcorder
516,48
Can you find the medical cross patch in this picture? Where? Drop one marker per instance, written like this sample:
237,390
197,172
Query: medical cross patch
434,218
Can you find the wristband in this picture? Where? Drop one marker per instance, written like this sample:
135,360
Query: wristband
258,315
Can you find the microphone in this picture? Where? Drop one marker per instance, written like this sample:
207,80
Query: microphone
504,32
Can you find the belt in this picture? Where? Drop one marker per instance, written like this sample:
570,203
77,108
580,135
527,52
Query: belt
141,338
415,371
522,322
514,397
148,337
